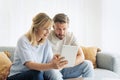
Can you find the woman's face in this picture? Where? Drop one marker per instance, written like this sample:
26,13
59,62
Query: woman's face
43,33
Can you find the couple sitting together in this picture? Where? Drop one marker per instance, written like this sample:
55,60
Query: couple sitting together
37,52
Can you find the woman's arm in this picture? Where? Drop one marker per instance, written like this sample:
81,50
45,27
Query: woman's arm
56,63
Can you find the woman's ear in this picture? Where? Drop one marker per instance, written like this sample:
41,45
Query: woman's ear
36,30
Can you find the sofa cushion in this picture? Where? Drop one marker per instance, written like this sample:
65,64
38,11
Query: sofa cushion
104,73
5,64
10,50
90,54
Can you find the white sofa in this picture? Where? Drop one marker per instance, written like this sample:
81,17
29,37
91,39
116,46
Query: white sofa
108,65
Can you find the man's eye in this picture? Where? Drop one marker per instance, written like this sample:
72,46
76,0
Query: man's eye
64,29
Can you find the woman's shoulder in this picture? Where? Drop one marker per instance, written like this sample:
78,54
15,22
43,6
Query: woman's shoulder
22,39
47,42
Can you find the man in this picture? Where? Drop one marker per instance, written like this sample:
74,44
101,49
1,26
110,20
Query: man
59,37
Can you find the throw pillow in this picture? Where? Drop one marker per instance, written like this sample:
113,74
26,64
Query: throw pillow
90,54
5,64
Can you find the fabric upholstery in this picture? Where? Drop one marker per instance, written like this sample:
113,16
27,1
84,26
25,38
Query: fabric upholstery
108,61
5,64
10,50
102,69
104,73
90,54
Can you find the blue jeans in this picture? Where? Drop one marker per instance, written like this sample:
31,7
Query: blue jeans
27,75
84,69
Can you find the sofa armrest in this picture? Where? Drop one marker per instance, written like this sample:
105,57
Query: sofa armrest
9,49
108,61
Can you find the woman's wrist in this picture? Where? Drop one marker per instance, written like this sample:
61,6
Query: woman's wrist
51,66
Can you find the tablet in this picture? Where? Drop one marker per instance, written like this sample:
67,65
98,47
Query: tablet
70,53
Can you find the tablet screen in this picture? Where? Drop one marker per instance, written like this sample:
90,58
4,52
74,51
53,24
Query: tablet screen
69,52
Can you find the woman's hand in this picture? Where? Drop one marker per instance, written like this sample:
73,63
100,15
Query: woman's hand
3,77
58,62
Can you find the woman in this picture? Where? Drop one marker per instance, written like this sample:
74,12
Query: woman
33,54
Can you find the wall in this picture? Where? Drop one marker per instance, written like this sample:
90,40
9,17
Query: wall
92,10
111,25
94,22
16,16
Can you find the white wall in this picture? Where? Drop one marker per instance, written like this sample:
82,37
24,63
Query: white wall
111,25
94,22
16,16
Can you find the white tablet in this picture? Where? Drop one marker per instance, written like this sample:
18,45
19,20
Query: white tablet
69,52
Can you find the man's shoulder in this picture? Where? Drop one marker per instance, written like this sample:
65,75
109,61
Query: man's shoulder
69,35
71,39
50,34
52,31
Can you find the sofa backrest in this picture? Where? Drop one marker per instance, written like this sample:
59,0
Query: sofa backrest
10,50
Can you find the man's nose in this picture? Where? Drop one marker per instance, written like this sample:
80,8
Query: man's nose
62,32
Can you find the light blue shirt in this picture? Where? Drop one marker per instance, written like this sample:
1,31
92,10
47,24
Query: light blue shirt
26,52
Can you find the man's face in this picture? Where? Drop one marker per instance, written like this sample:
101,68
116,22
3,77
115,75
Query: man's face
60,29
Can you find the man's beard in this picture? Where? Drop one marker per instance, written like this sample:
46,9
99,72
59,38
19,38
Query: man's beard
61,36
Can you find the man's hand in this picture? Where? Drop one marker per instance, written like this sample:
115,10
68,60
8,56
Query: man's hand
79,57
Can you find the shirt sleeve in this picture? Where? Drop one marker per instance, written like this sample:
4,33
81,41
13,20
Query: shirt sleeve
75,41
23,51
49,51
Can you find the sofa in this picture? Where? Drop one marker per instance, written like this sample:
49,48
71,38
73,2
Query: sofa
108,64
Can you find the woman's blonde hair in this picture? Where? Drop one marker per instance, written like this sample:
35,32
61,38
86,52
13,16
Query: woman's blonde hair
41,20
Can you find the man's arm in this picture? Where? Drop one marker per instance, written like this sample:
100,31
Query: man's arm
80,57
